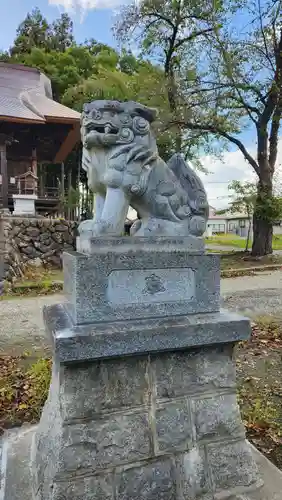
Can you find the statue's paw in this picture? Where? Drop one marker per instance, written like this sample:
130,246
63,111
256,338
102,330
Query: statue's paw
100,228
86,226
197,225
91,228
135,227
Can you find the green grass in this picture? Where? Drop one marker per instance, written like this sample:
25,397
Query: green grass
236,242
227,240
38,281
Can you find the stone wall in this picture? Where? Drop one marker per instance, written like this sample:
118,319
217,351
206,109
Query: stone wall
35,242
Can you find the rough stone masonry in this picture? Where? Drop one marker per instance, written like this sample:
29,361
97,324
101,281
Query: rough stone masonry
34,242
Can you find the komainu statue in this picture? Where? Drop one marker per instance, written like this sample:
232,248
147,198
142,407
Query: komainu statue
124,169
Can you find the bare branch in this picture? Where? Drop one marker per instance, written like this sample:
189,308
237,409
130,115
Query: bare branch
267,55
160,17
242,86
274,92
218,131
245,105
193,35
228,65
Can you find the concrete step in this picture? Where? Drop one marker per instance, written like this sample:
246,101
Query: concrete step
15,482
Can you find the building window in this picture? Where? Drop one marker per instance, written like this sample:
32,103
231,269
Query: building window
232,226
218,228
242,223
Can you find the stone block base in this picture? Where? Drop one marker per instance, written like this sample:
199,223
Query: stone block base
147,425
16,481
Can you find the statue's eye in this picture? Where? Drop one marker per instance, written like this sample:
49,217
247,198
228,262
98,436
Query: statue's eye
96,115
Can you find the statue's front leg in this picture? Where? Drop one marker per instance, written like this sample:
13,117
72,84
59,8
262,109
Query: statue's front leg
114,213
88,225
112,217
99,202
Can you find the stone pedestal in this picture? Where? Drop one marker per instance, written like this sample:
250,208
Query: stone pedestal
24,204
142,403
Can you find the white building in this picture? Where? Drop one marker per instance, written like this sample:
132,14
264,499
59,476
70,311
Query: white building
237,224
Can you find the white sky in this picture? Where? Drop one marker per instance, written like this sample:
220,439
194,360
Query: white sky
233,167
85,5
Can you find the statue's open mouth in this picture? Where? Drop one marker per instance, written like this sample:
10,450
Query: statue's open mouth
108,128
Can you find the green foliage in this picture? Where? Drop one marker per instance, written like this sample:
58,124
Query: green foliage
268,207
61,36
35,31
72,199
257,410
244,197
65,69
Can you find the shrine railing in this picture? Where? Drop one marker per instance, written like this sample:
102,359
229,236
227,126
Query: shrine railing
47,192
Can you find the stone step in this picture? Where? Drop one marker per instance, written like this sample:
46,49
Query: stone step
15,482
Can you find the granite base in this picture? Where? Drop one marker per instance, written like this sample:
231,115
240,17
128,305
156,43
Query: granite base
151,423
126,279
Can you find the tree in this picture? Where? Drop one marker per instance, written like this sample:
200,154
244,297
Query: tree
244,85
61,33
233,83
171,32
65,69
115,84
93,70
34,31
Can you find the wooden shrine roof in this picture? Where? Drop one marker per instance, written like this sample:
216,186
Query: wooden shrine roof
26,96
26,99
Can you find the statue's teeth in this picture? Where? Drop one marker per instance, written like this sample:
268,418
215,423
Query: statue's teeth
107,129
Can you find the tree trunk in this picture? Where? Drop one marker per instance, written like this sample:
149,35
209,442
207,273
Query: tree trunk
263,232
262,223
248,235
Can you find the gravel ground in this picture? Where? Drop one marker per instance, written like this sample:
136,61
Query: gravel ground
254,295
21,325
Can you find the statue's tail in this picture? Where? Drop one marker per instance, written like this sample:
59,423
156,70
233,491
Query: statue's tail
192,185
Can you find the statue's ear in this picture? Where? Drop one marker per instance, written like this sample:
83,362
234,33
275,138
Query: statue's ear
150,114
155,113
136,108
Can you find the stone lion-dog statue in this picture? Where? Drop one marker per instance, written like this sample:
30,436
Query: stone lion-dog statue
124,169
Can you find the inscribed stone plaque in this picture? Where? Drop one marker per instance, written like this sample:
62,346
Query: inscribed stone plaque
159,285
